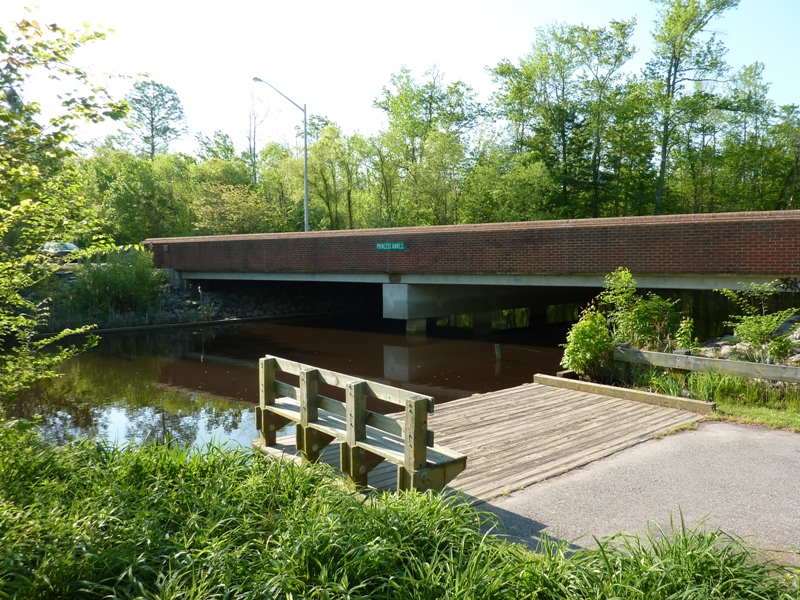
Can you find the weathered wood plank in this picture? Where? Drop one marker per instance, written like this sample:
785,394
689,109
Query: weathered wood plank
374,389
533,421
576,460
581,428
489,487
501,457
519,436
709,365
630,394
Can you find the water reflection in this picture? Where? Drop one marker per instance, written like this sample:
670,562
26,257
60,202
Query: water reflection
199,385
122,398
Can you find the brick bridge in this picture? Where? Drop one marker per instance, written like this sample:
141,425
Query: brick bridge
444,270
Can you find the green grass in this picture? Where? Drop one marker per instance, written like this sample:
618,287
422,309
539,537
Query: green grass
88,520
738,399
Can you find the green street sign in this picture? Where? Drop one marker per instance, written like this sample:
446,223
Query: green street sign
390,246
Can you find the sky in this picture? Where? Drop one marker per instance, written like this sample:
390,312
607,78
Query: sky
337,56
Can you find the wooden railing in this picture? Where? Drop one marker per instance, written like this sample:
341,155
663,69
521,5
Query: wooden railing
710,365
366,438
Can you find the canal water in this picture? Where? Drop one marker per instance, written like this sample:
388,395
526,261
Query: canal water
201,385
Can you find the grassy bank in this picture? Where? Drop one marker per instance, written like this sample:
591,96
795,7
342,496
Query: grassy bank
88,521
739,399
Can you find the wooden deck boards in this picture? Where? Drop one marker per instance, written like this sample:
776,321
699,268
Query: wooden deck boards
522,435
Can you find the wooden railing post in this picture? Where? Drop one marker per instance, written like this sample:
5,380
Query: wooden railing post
309,441
356,412
309,405
355,462
415,438
266,397
415,433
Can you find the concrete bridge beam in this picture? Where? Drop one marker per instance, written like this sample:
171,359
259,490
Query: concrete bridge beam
416,303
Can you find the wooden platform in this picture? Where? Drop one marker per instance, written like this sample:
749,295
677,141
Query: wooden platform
519,436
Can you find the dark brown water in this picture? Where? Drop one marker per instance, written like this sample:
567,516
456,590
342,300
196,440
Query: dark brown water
202,385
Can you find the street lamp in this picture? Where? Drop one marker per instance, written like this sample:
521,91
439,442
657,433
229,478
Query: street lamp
305,146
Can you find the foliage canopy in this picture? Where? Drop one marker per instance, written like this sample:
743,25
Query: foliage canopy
40,197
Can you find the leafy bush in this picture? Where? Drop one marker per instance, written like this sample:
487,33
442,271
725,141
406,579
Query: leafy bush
127,281
589,346
622,316
645,322
755,326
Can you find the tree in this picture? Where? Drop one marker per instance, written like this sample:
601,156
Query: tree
334,176
254,120
220,146
141,198
681,56
156,116
38,190
222,209
415,109
429,124
630,150
544,89
747,148
787,136
601,53
280,185
506,186
384,154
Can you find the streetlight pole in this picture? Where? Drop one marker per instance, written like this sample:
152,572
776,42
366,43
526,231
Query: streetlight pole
305,146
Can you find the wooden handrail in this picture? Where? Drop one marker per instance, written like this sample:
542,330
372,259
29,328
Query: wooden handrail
387,393
709,365
367,438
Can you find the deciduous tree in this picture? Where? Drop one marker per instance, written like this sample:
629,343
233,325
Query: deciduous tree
682,55
38,199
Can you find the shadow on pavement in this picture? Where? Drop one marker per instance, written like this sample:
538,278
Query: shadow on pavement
516,528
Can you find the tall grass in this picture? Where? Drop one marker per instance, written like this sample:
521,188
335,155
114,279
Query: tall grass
776,404
88,520
111,292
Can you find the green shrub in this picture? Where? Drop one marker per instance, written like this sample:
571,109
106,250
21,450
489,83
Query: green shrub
589,346
756,326
646,322
127,281
622,316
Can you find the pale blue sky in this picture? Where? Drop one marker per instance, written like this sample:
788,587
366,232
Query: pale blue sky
336,56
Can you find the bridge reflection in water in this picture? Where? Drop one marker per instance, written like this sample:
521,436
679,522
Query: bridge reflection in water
446,369
197,385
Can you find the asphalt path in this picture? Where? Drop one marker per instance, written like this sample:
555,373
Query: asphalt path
743,480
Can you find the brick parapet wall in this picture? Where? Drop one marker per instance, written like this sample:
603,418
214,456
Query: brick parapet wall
763,243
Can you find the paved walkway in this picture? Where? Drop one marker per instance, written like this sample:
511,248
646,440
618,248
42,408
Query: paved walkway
744,480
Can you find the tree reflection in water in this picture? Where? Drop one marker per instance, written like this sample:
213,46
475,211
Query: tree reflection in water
192,385
114,392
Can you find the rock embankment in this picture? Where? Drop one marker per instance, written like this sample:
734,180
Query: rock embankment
196,305
729,347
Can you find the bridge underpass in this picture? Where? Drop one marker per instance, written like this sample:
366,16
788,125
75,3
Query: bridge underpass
429,272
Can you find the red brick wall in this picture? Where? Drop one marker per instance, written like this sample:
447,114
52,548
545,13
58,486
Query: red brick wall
766,243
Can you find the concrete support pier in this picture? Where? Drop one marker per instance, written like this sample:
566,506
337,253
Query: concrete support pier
415,303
